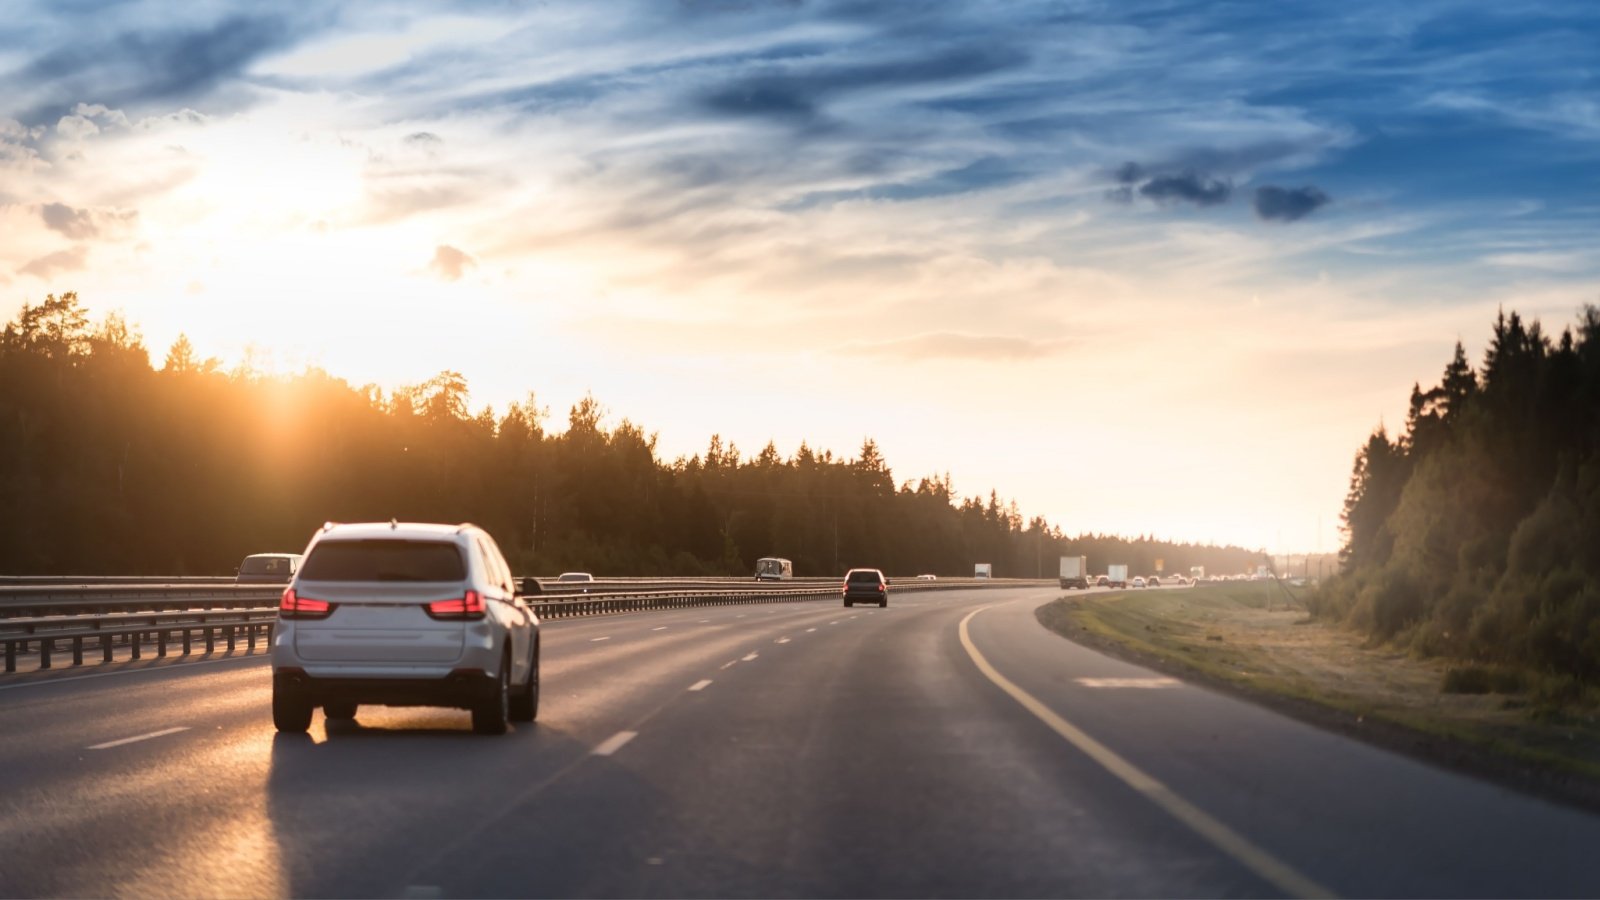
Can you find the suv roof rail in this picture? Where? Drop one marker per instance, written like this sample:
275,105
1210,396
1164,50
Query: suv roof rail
464,526
328,525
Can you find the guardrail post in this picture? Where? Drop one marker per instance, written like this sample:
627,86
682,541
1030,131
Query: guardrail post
186,642
77,651
105,648
44,652
11,656
230,638
161,642
136,643
252,637
211,639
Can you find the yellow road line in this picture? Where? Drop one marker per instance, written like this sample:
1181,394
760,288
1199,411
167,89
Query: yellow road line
1274,871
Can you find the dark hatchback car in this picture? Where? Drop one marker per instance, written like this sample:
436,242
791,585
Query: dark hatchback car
865,586
268,568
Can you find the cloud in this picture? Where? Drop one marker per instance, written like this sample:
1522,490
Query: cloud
74,223
1551,261
1276,204
137,66
1189,187
74,259
798,95
76,128
954,345
450,263
423,137
84,224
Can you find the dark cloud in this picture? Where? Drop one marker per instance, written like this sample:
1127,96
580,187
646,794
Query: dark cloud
74,259
1188,187
1167,187
423,137
799,94
74,223
136,67
1276,204
450,263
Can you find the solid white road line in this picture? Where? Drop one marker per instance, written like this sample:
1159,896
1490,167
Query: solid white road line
614,743
143,737
1269,868
1128,682
700,685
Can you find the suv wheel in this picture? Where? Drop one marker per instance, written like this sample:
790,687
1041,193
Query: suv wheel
339,709
525,704
290,712
491,714
883,603
849,603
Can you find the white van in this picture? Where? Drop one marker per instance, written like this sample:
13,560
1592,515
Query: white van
982,570
771,568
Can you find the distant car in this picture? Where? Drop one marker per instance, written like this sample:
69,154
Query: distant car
575,578
927,578
1153,581
1102,581
404,614
267,568
1138,581
865,586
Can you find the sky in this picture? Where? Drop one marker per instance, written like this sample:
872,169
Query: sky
1146,268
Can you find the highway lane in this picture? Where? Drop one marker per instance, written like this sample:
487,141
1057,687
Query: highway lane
786,749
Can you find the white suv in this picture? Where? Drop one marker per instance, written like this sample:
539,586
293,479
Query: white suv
402,614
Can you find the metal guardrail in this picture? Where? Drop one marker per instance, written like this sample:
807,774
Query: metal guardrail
137,613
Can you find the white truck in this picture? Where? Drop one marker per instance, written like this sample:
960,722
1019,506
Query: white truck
983,570
1074,572
1117,576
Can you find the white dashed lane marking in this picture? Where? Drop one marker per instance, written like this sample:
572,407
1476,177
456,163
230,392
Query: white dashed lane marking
752,655
700,685
809,630
730,664
143,737
606,638
614,743
782,640
659,628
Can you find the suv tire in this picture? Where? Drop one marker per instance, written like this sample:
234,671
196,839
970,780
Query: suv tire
525,703
291,713
490,715
339,709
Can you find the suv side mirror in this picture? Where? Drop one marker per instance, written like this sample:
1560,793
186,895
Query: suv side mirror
530,587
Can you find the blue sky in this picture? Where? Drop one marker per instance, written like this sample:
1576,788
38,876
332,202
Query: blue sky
1199,249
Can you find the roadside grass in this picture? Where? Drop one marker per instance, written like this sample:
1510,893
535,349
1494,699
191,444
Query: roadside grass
1245,637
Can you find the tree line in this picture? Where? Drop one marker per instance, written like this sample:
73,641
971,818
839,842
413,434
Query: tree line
113,466
1475,533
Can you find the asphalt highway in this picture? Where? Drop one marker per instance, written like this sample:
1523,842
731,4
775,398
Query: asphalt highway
945,746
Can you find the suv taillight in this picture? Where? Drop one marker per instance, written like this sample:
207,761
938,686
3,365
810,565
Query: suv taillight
467,606
293,606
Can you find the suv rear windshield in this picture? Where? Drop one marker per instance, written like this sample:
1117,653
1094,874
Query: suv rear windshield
871,577
384,560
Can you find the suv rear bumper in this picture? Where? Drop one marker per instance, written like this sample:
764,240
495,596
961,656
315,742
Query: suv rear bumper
462,688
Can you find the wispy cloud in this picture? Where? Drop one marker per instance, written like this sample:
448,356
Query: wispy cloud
950,345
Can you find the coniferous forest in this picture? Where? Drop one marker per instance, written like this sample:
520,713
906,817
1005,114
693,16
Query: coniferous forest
111,465
1475,534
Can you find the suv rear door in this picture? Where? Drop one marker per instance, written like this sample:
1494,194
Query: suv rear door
380,590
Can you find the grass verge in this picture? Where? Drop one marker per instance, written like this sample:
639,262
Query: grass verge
1242,638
